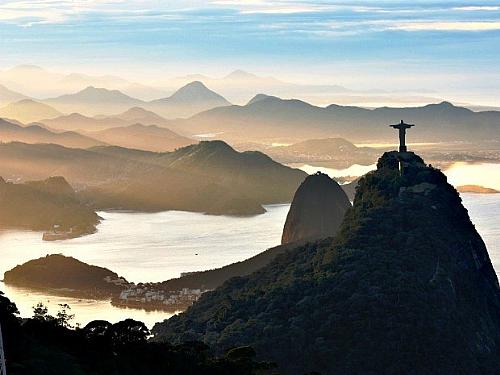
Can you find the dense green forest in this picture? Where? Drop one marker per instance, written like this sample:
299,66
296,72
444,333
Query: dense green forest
46,344
406,286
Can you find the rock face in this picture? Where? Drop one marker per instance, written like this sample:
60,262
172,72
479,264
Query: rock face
317,210
406,286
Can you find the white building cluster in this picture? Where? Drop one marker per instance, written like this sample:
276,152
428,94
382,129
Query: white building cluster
144,295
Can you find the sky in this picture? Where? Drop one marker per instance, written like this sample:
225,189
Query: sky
437,45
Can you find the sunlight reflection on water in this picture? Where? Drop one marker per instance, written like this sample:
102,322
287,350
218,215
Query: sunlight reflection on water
159,246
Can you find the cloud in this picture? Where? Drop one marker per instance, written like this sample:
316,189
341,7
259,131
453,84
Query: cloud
320,17
473,8
446,26
31,12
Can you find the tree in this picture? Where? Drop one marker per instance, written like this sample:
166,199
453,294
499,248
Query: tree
41,313
97,329
129,331
63,317
7,308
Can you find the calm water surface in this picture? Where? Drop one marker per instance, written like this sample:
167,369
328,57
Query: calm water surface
143,247
160,246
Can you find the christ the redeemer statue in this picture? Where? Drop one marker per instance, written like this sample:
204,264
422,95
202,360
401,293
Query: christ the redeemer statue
402,134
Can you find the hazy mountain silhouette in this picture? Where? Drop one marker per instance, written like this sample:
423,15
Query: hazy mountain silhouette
260,97
317,210
187,101
10,132
134,115
76,81
8,96
40,83
325,150
76,121
209,177
268,117
142,137
93,101
28,110
31,80
39,205
406,286
138,115
240,85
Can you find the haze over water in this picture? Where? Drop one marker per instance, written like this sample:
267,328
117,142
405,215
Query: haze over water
160,246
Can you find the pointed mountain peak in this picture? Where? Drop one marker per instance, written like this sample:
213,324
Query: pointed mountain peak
93,89
192,87
141,115
196,91
261,97
96,94
137,111
75,116
443,104
446,104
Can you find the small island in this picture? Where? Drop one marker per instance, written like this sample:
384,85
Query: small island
477,189
67,276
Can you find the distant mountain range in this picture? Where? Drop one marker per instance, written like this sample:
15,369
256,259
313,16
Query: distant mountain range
28,110
195,109
190,99
143,137
187,101
268,117
208,177
237,86
8,96
335,152
138,115
77,121
136,136
37,82
93,101
240,85
11,132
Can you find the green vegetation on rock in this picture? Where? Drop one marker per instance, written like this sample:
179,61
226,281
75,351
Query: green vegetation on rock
406,286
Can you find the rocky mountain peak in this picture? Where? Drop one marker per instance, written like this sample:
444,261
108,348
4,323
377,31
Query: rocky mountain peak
317,210
406,286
